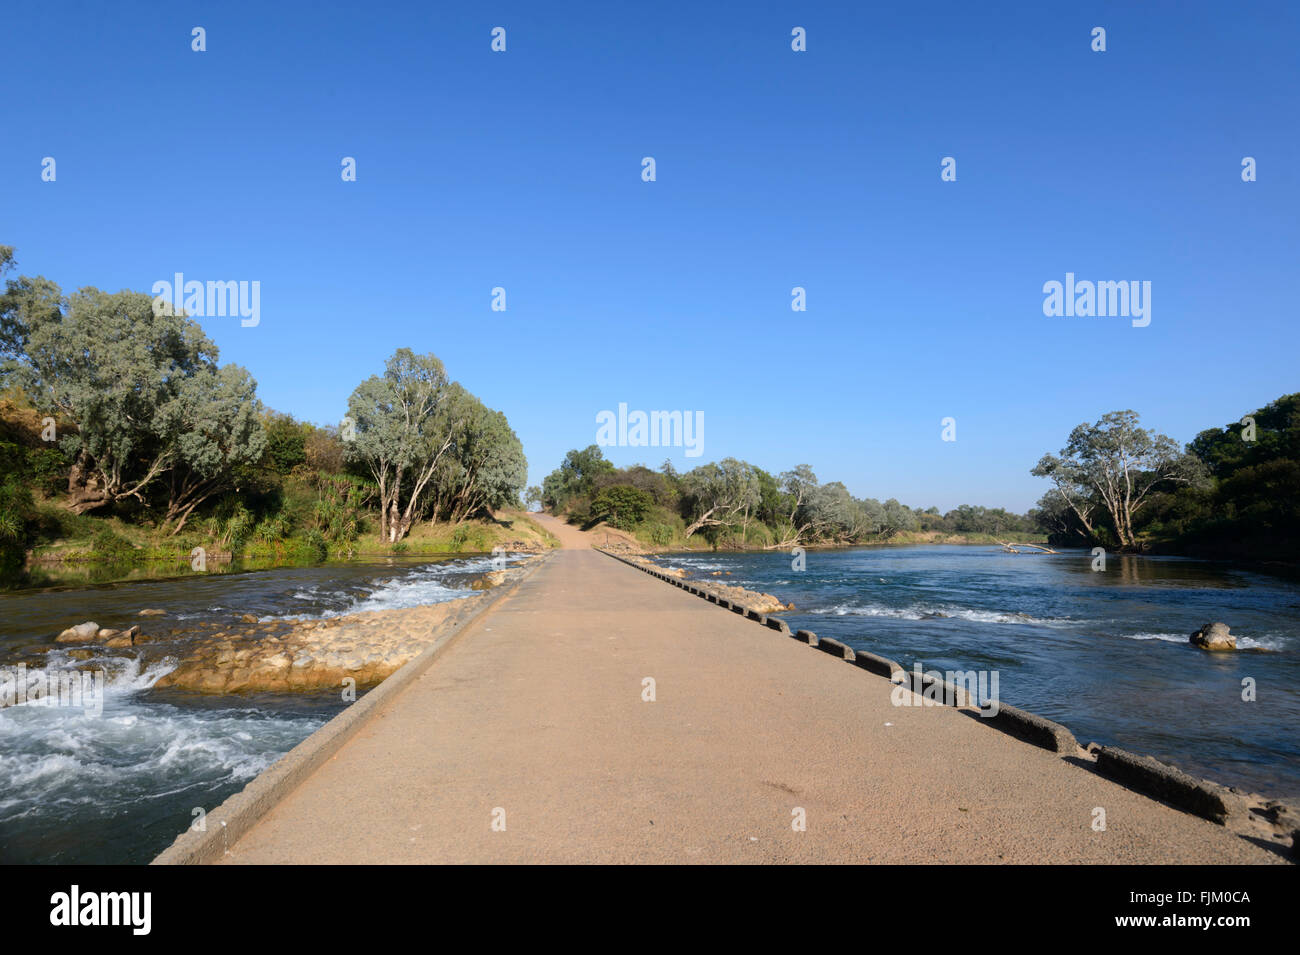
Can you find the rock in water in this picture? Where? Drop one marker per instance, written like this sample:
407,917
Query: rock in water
493,578
1213,636
81,633
151,612
119,638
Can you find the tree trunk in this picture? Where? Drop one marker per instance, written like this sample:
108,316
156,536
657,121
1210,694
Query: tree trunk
85,492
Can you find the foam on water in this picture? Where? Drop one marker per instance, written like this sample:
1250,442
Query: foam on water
933,613
54,759
429,584
1274,644
1167,637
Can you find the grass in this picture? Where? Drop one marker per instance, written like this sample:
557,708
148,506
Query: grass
72,539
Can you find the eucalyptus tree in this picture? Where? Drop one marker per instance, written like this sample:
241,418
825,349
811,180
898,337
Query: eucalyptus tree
1119,463
799,519
718,495
141,390
897,518
486,469
400,434
216,431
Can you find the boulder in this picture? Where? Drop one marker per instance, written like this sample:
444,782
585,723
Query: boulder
493,578
120,638
1213,636
81,633
151,612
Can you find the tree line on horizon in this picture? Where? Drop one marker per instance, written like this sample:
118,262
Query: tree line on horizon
1232,492
733,503
110,407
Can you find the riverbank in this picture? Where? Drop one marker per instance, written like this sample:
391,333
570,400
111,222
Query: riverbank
641,539
102,550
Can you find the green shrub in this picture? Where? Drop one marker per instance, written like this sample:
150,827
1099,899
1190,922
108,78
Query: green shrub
110,547
621,505
231,524
661,535
319,545
48,469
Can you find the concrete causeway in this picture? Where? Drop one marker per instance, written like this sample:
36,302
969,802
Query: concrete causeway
535,715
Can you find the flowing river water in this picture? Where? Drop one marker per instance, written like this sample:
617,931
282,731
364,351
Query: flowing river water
118,786
1106,653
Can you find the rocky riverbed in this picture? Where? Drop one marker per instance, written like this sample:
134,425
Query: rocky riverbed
281,655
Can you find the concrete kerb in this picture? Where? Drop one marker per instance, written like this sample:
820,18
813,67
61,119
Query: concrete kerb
872,663
946,693
807,636
1168,783
835,648
226,824
1033,729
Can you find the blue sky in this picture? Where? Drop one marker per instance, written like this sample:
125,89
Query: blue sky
775,169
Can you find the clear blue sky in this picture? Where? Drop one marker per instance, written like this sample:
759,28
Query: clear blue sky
775,169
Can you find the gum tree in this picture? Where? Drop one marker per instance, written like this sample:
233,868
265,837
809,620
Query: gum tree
128,381
400,434
216,432
716,495
1119,464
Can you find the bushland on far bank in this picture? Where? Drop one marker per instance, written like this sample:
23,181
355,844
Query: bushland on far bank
735,504
122,436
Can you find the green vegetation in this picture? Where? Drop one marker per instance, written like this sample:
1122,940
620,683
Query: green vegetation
734,504
123,440
1233,492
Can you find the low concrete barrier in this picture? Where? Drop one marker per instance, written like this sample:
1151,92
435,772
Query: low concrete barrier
1168,783
834,648
947,693
882,666
227,823
1033,729
807,636
755,615
777,624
